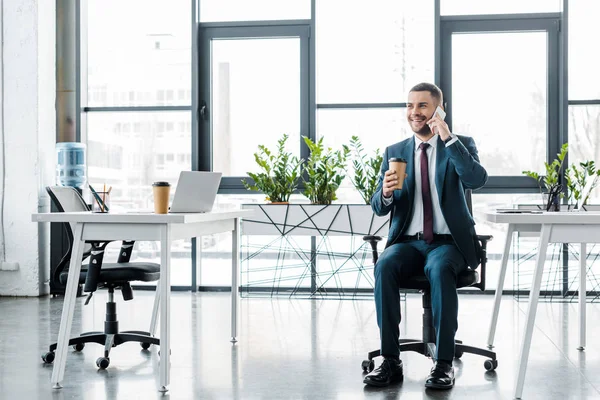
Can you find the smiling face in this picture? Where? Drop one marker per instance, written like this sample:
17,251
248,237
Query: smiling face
419,109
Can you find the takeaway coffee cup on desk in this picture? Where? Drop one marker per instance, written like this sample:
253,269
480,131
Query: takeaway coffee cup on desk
398,165
161,192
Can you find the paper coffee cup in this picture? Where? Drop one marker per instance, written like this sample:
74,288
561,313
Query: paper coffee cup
161,192
398,165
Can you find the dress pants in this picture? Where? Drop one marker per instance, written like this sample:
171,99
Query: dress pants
440,262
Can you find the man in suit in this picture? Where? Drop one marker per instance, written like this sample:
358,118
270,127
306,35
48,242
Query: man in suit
431,231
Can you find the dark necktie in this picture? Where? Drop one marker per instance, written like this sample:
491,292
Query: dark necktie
426,191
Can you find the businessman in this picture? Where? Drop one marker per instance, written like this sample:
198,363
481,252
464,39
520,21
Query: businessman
431,231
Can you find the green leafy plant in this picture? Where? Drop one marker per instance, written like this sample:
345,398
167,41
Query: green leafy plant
280,173
324,170
366,170
551,180
582,180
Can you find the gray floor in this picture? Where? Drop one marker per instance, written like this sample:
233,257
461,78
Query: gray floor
289,349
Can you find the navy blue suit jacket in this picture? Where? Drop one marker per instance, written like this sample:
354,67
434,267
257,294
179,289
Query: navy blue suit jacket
457,169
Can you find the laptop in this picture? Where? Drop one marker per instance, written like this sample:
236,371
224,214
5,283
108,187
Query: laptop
196,192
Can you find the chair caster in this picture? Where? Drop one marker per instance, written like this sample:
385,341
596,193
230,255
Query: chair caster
78,346
458,354
490,365
102,362
48,357
368,365
145,346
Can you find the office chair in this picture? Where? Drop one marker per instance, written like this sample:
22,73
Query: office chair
426,345
98,274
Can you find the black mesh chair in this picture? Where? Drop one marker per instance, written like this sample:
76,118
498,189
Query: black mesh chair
102,275
426,346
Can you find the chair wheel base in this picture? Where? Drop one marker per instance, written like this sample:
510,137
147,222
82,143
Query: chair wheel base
48,357
102,362
368,365
490,365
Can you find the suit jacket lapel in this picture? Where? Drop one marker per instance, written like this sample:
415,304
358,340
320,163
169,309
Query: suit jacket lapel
440,167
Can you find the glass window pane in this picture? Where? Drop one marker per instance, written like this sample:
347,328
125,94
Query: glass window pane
584,139
473,7
129,161
377,129
499,102
139,52
255,98
253,10
374,53
583,61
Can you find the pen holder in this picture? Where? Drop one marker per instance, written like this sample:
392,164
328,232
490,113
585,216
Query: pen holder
100,204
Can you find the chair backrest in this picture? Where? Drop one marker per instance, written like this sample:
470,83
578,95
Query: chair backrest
68,199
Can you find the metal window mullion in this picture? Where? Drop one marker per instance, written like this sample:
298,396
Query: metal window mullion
137,109
343,106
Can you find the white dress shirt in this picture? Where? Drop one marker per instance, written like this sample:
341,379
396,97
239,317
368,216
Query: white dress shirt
416,224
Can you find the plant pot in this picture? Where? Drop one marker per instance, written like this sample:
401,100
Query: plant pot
551,204
279,202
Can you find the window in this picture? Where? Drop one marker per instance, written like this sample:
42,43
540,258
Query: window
584,142
109,151
516,101
256,99
253,10
122,55
472,7
372,52
583,64
377,129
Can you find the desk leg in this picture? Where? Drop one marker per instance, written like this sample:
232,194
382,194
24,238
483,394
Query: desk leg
582,293
66,320
500,286
165,307
532,308
154,319
235,272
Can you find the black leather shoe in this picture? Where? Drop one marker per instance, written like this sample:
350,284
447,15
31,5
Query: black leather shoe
441,377
388,372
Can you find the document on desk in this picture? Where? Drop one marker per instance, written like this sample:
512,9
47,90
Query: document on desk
517,211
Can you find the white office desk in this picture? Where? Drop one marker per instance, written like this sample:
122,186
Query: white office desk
554,227
142,226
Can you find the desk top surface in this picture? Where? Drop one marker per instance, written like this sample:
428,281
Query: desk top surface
133,217
559,217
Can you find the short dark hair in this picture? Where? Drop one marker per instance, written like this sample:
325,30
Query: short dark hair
435,91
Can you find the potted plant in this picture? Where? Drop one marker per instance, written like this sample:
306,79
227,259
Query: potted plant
280,173
581,181
551,180
324,170
366,170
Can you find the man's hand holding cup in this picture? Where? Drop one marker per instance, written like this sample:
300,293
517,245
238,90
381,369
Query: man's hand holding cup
394,176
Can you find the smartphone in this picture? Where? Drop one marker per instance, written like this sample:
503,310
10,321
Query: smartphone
440,112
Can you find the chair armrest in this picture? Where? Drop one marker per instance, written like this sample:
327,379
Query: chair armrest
373,240
93,273
125,252
484,239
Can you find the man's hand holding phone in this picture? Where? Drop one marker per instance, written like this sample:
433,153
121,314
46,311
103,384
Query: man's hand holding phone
437,124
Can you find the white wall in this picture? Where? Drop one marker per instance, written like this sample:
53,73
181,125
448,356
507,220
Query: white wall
28,128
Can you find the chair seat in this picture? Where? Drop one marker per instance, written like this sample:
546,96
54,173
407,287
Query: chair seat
121,272
420,282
